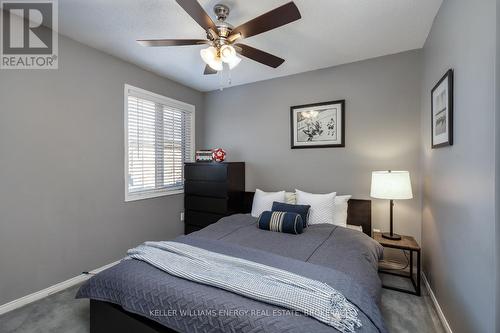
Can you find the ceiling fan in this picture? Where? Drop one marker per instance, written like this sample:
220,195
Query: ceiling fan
223,39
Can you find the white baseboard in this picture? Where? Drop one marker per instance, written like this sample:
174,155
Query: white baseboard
439,311
17,303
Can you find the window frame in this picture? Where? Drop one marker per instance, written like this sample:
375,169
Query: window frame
166,101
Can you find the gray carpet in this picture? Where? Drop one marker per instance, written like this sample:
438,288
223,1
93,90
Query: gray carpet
62,313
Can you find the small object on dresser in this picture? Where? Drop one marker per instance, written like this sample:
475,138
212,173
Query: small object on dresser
204,155
219,155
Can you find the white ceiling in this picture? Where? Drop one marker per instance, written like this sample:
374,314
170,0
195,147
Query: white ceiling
331,32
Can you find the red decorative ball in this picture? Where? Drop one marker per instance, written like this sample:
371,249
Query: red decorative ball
219,155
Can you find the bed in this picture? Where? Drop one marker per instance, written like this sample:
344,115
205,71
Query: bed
137,297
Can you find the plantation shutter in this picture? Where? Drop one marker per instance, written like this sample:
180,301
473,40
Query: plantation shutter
159,141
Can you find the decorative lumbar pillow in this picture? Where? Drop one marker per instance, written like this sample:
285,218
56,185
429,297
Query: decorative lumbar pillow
322,206
340,214
302,210
290,223
263,201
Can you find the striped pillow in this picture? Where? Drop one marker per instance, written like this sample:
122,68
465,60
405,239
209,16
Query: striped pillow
290,223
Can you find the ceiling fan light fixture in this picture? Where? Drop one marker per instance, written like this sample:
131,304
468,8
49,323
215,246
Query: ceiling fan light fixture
234,37
210,57
234,62
221,35
227,53
209,54
216,65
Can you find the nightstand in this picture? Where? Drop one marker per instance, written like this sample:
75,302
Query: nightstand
406,243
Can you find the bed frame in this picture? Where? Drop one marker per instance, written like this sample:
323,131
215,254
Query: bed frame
109,318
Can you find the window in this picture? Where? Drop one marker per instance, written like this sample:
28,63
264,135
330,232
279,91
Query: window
159,138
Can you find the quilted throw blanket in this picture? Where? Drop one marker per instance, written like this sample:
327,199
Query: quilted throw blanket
344,259
253,280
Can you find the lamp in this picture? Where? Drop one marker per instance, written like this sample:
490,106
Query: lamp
391,185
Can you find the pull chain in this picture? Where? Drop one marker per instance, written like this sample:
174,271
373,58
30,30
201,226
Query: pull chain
224,77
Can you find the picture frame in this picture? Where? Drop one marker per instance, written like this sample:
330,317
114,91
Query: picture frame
318,125
442,112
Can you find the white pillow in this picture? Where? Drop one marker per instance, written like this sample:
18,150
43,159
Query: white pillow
340,214
290,198
355,227
322,206
263,201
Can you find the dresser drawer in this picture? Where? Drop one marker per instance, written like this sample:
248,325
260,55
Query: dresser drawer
207,189
205,204
209,172
202,219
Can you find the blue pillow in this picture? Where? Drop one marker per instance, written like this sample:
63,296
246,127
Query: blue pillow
302,210
290,223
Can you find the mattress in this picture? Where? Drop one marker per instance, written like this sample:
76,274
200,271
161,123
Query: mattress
343,258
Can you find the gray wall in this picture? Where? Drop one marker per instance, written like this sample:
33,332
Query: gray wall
497,155
62,208
252,122
458,232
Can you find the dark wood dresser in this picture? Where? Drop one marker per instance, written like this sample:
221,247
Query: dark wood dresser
212,191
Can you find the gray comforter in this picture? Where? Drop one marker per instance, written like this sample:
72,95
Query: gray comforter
343,258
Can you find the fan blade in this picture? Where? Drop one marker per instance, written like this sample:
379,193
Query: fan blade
209,70
171,42
259,55
268,21
194,9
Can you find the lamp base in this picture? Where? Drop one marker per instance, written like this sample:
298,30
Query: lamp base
392,237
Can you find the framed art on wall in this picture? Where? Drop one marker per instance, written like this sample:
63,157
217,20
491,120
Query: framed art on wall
319,125
442,112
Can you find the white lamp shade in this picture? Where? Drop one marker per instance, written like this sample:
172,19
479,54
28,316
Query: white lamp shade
391,185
